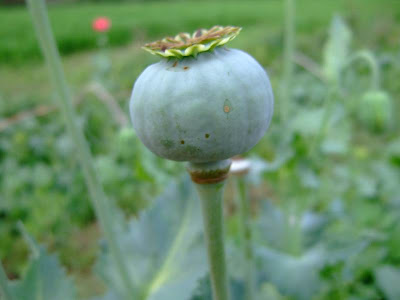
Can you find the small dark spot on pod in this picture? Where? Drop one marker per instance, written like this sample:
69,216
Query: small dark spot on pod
182,142
185,67
175,63
207,135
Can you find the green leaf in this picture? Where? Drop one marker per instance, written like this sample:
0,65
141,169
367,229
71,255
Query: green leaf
269,292
259,166
337,139
388,279
293,276
336,50
307,121
163,247
336,250
45,278
271,228
299,276
109,296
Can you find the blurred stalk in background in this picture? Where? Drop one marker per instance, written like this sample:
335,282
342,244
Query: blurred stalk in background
288,53
243,200
103,207
293,240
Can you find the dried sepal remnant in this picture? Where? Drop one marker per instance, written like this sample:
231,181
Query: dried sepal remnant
207,173
185,44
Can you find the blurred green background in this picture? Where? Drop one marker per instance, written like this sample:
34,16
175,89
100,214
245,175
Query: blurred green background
329,156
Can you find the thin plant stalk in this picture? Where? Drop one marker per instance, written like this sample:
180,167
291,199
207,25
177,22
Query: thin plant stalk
369,58
209,179
4,288
288,57
102,206
245,216
211,200
328,108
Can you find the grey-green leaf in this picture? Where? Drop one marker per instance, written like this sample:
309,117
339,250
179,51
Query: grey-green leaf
293,276
388,279
163,247
336,50
269,292
45,279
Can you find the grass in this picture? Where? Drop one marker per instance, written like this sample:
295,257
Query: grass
132,21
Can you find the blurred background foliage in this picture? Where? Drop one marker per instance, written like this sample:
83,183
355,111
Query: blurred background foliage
135,20
325,183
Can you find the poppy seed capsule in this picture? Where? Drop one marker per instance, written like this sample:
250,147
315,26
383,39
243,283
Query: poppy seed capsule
375,110
201,102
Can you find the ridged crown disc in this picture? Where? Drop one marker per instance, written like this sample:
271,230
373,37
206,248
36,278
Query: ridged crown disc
186,44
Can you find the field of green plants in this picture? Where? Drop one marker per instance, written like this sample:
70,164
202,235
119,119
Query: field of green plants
323,188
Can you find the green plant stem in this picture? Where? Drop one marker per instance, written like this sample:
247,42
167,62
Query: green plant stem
211,199
4,289
245,215
288,54
369,58
102,206
209,179
328,108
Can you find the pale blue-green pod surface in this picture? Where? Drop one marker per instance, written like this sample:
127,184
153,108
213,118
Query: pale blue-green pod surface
202,109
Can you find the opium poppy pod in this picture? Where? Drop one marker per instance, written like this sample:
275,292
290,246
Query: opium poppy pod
202,102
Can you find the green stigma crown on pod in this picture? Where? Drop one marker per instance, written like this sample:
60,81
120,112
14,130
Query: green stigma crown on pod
202,102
